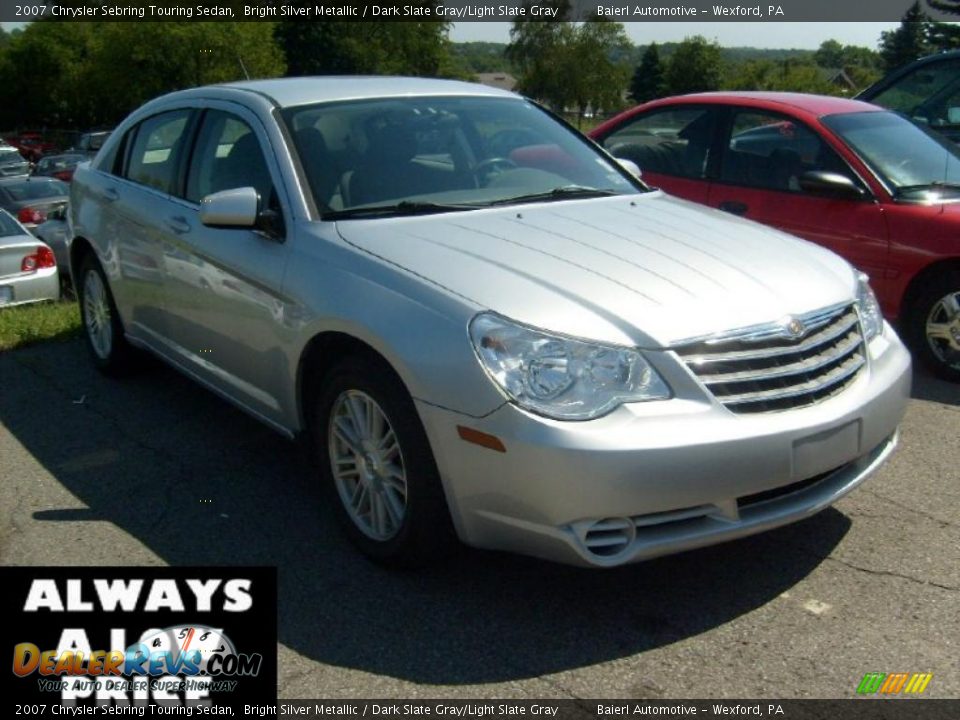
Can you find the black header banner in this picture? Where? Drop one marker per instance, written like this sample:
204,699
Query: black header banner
700,11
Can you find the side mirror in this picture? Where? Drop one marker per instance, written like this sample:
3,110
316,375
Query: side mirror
830,184
630,166
236,208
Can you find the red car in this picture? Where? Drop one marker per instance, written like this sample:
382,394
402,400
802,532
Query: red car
860,180
32,145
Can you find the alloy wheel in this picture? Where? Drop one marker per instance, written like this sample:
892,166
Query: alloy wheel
367,465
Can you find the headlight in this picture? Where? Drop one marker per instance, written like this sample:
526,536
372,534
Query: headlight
559,377
870,313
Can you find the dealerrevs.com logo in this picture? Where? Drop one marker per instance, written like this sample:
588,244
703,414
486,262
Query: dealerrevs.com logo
138,636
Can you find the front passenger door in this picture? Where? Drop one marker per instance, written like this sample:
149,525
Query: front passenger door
223,284
763,157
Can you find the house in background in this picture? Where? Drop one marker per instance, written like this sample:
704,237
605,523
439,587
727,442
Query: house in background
504,81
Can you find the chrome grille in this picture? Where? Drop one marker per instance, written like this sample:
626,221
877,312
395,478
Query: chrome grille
762,369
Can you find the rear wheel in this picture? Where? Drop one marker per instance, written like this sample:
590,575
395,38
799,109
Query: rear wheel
101,323
375,460
933,325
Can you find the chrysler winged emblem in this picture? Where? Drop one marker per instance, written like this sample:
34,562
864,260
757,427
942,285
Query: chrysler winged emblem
793,328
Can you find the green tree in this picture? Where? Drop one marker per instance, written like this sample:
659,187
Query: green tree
784,75
381,48
43,75
908,42
538,53
830,54
695,66
943,36
648,82
597,79
133,66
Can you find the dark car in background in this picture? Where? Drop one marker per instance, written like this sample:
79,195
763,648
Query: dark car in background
872,186
60,167
31,199
927,91
90,143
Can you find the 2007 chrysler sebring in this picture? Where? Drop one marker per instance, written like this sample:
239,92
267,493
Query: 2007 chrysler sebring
484,324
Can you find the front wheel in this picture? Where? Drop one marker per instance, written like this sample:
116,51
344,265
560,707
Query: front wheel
376,461
933,326
101,322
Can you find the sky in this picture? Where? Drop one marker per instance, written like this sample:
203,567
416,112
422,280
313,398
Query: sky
806,36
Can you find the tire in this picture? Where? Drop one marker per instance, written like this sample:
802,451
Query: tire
102,329
376,465
933,325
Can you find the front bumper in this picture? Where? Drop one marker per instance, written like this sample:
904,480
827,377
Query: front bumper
662,477
44,284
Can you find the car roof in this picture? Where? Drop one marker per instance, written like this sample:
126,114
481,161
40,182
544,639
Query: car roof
288,92
895,75
818,105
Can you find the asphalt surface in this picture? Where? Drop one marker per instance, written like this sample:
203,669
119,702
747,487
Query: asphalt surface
151,470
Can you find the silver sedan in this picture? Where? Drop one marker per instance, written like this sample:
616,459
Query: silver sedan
28,267
485,326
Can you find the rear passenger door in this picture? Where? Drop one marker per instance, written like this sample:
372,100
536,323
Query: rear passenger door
223,284
147,171
673,147
762,158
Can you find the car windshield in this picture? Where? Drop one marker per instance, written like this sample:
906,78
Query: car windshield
917,165
444,154
36,190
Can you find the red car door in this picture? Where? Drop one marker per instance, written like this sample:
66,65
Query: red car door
671,146
762,158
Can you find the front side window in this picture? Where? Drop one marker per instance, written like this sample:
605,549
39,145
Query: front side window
444,154
913,163
771,151
227,156
157,150
675,141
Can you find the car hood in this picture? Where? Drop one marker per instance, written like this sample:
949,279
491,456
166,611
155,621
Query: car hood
647,270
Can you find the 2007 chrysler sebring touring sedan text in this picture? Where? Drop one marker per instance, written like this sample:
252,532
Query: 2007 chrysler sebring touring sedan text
484,325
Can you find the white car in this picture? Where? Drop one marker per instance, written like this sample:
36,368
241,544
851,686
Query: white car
28,267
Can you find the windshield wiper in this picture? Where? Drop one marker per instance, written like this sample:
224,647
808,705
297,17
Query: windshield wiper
558,193
405,207
932,185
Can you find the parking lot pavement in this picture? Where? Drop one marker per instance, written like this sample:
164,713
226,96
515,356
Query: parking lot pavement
150,470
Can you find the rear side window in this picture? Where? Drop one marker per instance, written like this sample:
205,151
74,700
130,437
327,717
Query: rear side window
674,141
157,149
8,226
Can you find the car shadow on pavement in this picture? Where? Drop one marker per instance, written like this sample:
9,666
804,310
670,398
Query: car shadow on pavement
197,482
931,388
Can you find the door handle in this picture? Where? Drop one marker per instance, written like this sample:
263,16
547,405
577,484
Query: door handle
110,194
178,224
734,206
